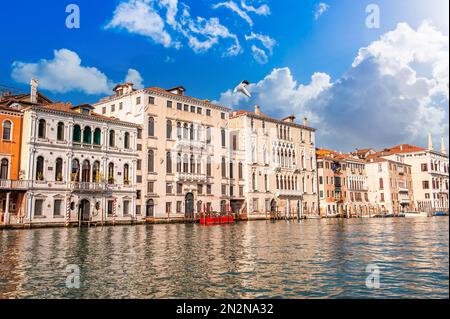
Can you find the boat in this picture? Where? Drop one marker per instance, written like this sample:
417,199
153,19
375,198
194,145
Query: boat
216,220
440,214
416,214
333,215
313,217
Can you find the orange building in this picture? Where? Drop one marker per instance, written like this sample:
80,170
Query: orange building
12,187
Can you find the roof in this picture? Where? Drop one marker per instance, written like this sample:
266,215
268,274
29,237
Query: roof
70,109
193,99
263,116
25,99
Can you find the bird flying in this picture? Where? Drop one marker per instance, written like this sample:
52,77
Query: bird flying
242,88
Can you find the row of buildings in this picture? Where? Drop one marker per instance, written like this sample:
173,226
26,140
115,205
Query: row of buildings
154,154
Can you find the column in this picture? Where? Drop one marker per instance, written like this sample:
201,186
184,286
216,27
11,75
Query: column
6,220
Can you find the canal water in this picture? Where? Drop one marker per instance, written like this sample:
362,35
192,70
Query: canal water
311,259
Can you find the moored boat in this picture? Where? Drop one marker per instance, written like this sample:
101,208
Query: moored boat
416,214
440,214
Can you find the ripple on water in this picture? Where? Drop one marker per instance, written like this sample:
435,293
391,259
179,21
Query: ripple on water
313,259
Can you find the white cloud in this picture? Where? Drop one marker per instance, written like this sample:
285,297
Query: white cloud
62,74
139,16
235,8
134,77
266,41
65,73
259,55
395,92
321,8
263,10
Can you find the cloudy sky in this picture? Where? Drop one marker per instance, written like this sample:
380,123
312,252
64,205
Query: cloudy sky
361,85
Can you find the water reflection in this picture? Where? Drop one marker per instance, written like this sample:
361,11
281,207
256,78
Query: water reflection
317,258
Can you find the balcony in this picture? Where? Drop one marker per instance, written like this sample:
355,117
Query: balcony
289,193
402,189
14,185
190,143
88,187
188,177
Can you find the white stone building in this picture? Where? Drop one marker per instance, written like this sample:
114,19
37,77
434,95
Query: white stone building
81,166
182,147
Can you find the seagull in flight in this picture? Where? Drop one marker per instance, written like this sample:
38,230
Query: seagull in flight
242,88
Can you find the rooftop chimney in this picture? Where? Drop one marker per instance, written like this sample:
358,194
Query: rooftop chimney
430,142
257,110
33,94
305,121
443,151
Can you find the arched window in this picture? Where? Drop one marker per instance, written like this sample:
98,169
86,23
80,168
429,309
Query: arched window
42,129
97,136
59,170
169,163
231,170
77,134
96,172
223,135
126,141
278,182
179,134
240,171
208,166
185,131
151,127
75,176
40,168
7,130
111,179
254,182
192,165
87,135
86,172
224,167
179,163
185,164
169,130
60,132
126,174
112,138
4,169
151,161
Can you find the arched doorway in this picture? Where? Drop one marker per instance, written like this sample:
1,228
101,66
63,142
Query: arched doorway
85,210
273,206
150,210
189,212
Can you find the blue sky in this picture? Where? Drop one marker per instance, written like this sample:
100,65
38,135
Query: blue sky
115,37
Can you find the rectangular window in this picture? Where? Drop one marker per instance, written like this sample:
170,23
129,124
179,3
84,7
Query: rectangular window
426,185
424,167
200,189
255,204
139,179
208,112
139,164
179,188
138,194
224,189
113,108
104,110
208,189
267,205
38,206
138,209
179,206
138,100
186,108
231,191
382,197
169,104
192,109
199,110
241,191
110,209
126,207
179,106
321,180
150,187
151,100
168,208
120,106
169,188
222,116
139,133
57,208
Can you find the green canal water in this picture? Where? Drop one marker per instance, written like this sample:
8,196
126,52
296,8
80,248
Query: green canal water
311,259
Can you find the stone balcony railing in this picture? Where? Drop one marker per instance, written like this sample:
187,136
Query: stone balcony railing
290,193
14,184
191,177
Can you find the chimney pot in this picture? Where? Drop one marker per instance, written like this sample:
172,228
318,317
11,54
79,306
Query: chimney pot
34,93
257,110
305,121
